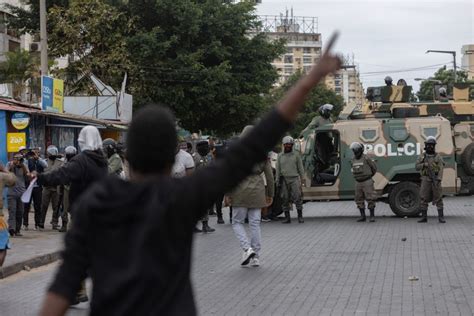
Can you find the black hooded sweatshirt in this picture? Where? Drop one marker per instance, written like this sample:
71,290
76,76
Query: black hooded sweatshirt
80,172
135,239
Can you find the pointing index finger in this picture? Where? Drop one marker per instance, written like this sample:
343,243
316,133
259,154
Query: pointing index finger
331,42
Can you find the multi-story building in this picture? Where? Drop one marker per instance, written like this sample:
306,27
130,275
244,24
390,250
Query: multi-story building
303,42
303,50
9,39
346,83
467,63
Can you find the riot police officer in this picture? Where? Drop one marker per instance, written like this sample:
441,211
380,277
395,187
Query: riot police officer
323,118
388,81
114,162
430,164
290,178
363,169
202,159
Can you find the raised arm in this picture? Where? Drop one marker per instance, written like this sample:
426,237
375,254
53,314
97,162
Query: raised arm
293,101
222,176
63,175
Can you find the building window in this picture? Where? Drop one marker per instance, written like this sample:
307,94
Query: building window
288,70
13,46
289,50
337,76
307,60
288,59
337,90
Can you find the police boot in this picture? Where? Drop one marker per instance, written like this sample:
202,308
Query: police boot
220,220
287,218
372,216
206,228
424,216
362,215
441,216
300,216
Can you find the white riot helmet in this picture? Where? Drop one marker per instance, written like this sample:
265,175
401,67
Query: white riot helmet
357,148
52,150
325,110
288,140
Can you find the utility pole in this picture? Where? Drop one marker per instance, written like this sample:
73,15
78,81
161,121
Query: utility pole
452,52
43,39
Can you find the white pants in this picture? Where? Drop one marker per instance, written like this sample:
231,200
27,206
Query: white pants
238,218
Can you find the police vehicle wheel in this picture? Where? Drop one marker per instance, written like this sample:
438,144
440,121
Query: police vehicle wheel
404,199
467,159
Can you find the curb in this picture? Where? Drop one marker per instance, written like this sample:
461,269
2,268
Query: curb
29,264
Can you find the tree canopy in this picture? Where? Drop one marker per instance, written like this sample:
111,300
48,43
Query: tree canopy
198,57
446,77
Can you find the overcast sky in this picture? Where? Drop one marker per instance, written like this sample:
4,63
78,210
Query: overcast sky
386,35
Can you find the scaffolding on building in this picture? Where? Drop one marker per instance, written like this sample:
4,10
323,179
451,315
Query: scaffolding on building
288,23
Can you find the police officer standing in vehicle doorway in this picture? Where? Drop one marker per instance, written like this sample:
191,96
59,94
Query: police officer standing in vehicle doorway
430,164
290,178
363,169
388,81
323,118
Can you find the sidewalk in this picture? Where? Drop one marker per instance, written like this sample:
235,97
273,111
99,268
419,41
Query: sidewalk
34,249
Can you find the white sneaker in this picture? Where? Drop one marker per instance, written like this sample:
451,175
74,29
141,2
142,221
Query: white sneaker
254,262
248,254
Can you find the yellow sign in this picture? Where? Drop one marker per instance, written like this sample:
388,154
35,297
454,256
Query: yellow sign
58,97
15,141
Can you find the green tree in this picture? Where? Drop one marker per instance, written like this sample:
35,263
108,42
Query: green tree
446,77
319,96
198,58
19,67
26,18
94,35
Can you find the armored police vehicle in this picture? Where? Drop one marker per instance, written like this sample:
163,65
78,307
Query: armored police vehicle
393,132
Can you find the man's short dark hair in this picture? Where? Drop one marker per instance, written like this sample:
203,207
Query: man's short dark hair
152,140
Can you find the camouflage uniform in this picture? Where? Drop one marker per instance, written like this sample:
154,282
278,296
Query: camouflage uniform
363,169
431,170
289,174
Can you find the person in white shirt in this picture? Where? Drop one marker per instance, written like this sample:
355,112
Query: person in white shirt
183,165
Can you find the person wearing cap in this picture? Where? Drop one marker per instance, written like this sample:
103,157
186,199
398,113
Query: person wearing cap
35,163
15,205
50,194
290,179
6,179
363,169
431,165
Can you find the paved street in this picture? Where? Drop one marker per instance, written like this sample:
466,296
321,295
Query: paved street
329,265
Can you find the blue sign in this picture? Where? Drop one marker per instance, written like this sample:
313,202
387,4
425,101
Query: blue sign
47,93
